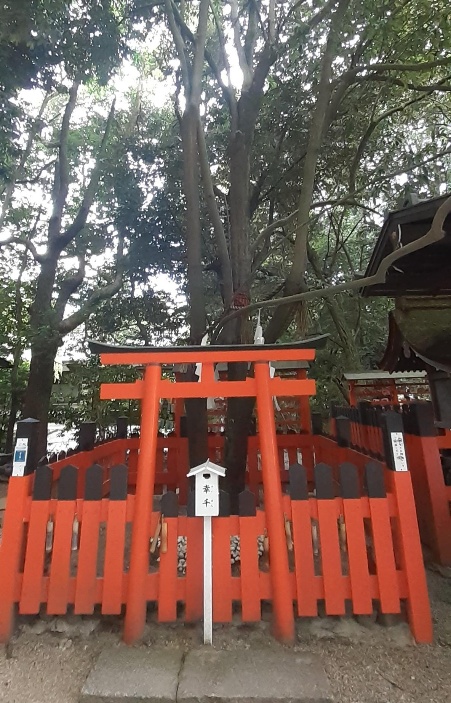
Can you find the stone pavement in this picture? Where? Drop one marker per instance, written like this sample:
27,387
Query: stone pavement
155,675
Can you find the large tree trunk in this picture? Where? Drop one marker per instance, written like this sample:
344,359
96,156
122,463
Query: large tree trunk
239,410
238,427
196,409
39,391
44,347
15,390
193,225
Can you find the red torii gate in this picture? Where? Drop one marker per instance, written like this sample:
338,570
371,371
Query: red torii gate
150,390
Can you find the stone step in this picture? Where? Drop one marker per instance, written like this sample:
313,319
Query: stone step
134,675
153,675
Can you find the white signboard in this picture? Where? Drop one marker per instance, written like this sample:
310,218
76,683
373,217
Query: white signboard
206,488
206,505
206,502
20,456
399,451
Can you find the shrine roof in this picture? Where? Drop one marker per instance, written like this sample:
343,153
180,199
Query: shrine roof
425,272
384,375
302,350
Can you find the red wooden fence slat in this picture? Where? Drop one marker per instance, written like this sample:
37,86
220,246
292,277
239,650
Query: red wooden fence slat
384,556
303,558
61,555
11,550
331,558
85,589
194,569
250,573
357,557
222,574
30,597
113,570
418,607
167,588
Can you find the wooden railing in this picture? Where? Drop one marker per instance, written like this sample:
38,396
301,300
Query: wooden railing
367,428
350,535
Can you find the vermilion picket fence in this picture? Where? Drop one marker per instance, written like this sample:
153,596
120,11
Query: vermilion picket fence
350,534
361,429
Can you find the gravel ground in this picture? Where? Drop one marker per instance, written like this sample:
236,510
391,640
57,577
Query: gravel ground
49,660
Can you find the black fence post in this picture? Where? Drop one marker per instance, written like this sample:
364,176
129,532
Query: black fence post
25,458
317,423
343,431
333,409
419,419
122,428
87,436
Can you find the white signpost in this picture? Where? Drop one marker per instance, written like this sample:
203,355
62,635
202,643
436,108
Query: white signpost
206,505
399,451
20,456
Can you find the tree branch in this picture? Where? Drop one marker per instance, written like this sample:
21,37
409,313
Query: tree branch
439,86
435,234
400,67
82,215
245,67
369,131
39,258
227,90
28,243
350,197
68,288
345,200
322,14
290,12
9,189
272,22
221,242
198,62
251,32
61,180
141,327
37,177
103,293
282,177
179,44
268,231
313,147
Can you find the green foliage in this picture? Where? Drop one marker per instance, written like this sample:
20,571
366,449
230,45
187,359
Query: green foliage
76,398
138,317
5,395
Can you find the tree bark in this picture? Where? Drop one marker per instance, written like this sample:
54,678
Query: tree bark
196,409
239,410
193,226
44,347
238,427
39,390
17,356
295,282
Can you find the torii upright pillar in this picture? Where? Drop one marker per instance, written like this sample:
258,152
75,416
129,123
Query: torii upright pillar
282,597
